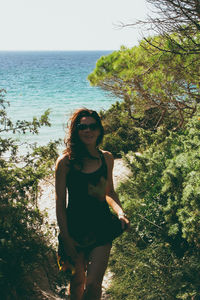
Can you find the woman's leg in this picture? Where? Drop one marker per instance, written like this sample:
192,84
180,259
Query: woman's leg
98,261
77,282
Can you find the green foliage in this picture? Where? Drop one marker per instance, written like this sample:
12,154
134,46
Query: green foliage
150,81
24,239
158,90
181,17
121,134
152,272
124,133
160,256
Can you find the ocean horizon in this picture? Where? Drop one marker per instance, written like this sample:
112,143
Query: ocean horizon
57,80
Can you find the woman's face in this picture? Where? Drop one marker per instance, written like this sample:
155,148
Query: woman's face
88,131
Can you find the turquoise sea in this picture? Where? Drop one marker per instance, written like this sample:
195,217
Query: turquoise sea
36,81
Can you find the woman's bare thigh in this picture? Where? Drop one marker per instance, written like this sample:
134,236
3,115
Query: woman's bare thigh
97,264
77,281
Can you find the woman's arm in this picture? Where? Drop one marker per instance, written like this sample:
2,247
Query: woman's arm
61,171
111,196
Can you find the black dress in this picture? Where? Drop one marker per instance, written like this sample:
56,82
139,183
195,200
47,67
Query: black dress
89,219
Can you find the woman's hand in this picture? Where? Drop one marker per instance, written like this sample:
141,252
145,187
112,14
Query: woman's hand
70,250
124,221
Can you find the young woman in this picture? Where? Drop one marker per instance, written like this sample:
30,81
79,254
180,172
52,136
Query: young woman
87,226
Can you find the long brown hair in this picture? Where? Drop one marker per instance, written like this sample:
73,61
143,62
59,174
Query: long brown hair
75,149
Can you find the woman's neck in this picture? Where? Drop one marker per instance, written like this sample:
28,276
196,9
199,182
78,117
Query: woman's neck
92,150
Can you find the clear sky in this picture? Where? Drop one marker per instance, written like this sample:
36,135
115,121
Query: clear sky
68,24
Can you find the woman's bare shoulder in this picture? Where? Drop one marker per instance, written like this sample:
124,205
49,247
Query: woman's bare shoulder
62,162
108,157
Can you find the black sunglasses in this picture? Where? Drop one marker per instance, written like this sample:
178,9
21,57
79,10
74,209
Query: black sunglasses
92,126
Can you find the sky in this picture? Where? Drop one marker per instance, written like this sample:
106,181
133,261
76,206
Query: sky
69,24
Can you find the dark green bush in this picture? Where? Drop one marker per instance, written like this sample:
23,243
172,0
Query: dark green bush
123,139
24,236
160,257
124,133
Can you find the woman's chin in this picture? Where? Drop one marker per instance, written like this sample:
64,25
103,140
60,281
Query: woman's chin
89,141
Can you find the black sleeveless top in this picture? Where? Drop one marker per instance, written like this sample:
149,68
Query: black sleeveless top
87,211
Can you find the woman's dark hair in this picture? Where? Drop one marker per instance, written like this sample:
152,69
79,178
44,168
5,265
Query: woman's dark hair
75,149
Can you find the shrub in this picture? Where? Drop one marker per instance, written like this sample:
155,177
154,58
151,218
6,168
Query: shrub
160,256
24,237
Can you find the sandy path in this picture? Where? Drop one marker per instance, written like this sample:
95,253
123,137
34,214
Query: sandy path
46,203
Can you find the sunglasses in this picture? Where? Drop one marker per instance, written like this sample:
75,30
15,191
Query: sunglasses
92,126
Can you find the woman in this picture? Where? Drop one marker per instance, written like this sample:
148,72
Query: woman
87,226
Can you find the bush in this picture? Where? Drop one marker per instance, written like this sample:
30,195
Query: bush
24,237
124,133
122,140
160,257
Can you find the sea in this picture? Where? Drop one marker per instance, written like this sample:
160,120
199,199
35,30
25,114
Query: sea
55,80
